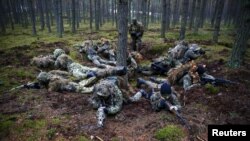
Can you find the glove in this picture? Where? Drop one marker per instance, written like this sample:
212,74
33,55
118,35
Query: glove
202,52
173,108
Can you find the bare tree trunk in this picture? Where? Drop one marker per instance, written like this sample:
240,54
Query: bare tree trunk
32,15
90,15
198,17
218,20
168,15
122,34
40,8
60,18
203,15
214,13
164,18
243,34
47,15
192,15
144,8
175,13
73,16
112,13
185,5
2,22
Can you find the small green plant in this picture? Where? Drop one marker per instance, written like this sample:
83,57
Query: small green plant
51,133
212,89
170,133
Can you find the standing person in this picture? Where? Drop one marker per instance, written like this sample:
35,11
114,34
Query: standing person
136,30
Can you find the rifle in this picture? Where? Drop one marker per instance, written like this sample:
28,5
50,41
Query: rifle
29,85
178,115
159,67
217,81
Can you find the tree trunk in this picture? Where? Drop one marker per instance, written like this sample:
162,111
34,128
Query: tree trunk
40,8
198,17
168,15
148,10
90,15
60,19
144,8
218,20
10,15
32,15
243,34
164,18
97,16
47,15
214,13
192,14
185,5
73,17
112,12
122,34
2,22
175,13
203,15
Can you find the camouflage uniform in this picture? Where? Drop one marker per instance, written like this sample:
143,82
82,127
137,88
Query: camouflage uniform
131,64
106,50
106,93
136,30
47,61
192,53
175,54
157,97
57,80
81,72
43,61
94,57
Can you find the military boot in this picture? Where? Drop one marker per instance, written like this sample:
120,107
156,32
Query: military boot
121,70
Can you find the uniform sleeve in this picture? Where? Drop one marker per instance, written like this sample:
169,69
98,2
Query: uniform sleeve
192,55
133,63
175,101
117,102
95,102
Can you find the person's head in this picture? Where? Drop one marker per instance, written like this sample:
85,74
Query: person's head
165,89
63,61
43,78
201,69
104,89
134,20
57,52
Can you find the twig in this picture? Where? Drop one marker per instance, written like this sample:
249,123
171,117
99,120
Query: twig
199,138
100,139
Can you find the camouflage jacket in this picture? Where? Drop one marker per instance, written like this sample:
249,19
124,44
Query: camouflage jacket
156,97
113,102
136,28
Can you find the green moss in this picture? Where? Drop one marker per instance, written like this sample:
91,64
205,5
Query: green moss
34,124
170,133
51,133
83,138
212,89
5,126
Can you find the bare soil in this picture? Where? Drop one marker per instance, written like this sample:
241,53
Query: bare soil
136,121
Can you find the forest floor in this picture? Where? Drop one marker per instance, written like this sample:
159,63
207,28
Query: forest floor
42,115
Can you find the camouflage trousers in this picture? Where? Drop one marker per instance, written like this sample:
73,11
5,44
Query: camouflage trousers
99,62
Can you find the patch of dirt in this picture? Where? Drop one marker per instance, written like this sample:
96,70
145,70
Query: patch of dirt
224,52
136,121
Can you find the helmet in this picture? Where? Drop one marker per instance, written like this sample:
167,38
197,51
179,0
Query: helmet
103,88
62,61
134,20
165,88
43,77
58,52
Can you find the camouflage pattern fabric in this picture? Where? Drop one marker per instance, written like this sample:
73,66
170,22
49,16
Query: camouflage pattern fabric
107,94
43,61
